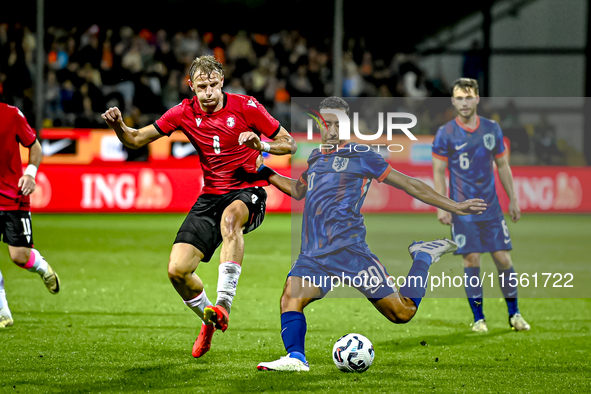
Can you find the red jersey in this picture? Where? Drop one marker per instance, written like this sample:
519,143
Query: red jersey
215,137
14,129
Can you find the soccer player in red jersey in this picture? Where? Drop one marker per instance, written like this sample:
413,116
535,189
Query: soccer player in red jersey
15,187
225,130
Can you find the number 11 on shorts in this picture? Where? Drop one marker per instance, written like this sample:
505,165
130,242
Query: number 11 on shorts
26,226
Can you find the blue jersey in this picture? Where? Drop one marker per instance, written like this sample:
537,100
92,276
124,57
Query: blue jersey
337,183
470,154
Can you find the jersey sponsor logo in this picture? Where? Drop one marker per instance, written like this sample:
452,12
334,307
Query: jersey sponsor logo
489,141
507,241
251,103
458,147
231,121
51,148
180,150
460,240
112,149
148,190
198,120
340,164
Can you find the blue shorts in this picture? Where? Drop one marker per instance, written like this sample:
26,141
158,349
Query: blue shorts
481,237
354,265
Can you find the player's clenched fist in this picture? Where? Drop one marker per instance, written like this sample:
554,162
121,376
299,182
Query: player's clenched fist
27,184
251,140
112,116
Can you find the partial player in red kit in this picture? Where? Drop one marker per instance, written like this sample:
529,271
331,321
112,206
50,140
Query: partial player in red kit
15,187
225,130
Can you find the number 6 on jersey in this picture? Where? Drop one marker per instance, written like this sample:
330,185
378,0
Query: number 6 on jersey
216,144
464,161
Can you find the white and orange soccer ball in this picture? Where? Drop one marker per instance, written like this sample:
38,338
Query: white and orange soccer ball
353,353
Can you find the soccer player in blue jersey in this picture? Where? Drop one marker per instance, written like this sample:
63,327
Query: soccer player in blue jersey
333,235
468,146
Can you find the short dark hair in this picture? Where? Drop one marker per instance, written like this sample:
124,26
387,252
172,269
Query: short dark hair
207,65
465,84
335,103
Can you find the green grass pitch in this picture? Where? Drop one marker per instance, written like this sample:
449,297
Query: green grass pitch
119,326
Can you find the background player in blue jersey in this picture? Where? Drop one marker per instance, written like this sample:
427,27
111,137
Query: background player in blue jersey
333,235
468,146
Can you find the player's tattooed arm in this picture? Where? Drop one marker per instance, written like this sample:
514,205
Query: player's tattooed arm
130,137
282,143
425,193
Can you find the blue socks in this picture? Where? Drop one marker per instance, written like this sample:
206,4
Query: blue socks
474,291
416,288
293,333
509,289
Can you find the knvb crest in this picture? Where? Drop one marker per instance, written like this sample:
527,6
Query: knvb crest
489,141
460,240
340,164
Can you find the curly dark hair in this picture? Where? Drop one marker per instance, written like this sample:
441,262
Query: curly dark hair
335,103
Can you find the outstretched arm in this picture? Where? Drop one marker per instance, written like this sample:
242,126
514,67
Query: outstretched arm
439,167
506,177
423,192
130,137
292,187
282,143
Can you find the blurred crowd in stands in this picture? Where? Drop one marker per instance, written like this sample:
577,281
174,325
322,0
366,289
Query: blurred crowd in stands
145,72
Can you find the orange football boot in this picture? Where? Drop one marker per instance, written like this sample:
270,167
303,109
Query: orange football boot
203,341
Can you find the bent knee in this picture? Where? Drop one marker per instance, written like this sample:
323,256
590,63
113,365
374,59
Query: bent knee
20,257
503,265
177,272
234,218
502,260
472,260
286,303
401,315
232,227
291,304
407,315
